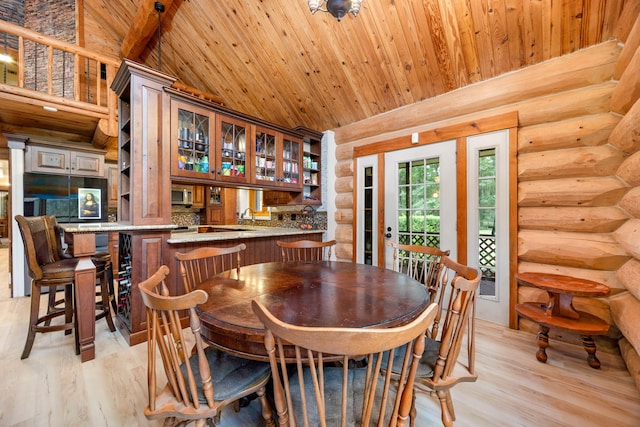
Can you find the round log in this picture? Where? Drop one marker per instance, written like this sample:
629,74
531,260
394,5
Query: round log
604,219
344,201
631,202
344,233
628,170
627,91
579,250
608,278
344,152
628,236
344,185
344,252
344,168
573,162
580,131
344,216
629,276
626,135
589,191
630,46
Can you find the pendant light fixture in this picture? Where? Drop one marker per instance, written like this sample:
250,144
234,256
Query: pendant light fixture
337,8
159,7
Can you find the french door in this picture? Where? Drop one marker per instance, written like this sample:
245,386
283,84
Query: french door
420,207
420,197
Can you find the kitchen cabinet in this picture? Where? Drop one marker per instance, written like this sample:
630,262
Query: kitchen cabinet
312,168
191,134
144,144
198,197
290,166
265,166
221,206
232,150
64,161
112,174
274,198
277,159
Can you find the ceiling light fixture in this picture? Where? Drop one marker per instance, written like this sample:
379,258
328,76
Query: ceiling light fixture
7,59
48,108
337,8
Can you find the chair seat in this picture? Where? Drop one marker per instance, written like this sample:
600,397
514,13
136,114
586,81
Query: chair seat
229,374
63,269
333,394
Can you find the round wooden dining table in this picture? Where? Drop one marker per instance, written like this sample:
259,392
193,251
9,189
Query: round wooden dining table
314,293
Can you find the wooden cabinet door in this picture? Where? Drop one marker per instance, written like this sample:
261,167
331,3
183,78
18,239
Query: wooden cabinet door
86,164
267,142
233,150
64,161
290,163
192,140
111,171
198,196
48,160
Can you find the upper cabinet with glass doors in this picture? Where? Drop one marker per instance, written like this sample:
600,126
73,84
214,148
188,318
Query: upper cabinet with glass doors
290,165
265,168
278,159
191,140
233,150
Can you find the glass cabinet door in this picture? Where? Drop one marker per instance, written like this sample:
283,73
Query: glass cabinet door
190,141
265,155
233,150
290,164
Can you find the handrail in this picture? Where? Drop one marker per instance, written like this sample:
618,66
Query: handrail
88,85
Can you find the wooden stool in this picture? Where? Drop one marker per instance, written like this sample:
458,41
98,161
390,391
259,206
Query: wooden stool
559,311
104,273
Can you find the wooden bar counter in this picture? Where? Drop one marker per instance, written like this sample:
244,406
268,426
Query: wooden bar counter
559,311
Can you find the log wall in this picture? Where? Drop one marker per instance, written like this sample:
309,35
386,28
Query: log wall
578,135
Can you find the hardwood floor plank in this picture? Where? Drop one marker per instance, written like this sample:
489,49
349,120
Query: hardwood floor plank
53,388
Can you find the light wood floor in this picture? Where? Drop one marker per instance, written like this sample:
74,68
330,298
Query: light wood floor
52,387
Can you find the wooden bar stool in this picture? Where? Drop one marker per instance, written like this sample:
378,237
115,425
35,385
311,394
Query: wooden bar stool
104,274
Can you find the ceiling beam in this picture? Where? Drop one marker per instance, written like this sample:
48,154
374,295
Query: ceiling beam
143,27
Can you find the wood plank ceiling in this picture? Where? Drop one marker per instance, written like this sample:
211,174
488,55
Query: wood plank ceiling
274,60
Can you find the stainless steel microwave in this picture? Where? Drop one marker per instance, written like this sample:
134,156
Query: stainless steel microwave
182,195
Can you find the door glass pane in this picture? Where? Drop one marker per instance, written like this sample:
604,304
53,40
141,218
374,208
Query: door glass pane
419,203
368,216
487,222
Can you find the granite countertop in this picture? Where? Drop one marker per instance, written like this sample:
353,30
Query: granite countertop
229,232
105,227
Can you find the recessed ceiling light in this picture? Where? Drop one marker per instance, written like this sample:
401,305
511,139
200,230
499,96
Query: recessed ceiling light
6,58
52,109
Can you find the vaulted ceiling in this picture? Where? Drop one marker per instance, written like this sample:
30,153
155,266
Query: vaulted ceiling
274,60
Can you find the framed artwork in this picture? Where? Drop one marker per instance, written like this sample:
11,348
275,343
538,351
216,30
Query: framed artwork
89,203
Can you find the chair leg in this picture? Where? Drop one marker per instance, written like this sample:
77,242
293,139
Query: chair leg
105,297
267,411
447,421
33,321
413,413
452,411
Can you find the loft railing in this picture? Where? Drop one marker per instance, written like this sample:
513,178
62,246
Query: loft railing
37,66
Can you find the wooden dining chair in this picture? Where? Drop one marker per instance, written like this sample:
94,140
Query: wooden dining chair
422,263
201,381
306,250
322,386
443,365
202,263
